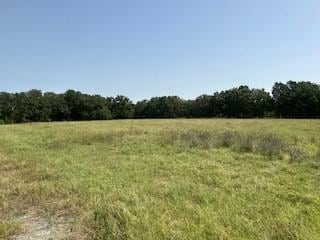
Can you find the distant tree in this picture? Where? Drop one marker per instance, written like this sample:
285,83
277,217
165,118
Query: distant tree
282,99
36,109
121,107
203,106
74,102
162,107
7,107
297,99
140,109
86,107
243,102
59,110
262,103
97,107
290,100
236,102
171,107
20,110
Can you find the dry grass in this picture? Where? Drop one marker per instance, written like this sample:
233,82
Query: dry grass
164,179
267,144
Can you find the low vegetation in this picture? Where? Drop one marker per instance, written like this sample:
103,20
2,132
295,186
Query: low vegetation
7,229
164,179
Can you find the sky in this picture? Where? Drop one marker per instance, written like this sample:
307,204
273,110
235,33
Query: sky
145,48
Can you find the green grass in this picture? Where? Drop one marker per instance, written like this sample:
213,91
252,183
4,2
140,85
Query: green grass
166,179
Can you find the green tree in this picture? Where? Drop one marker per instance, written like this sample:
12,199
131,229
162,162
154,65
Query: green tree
59,110
36,109
162,107
203,106
121,107
7,107
297,99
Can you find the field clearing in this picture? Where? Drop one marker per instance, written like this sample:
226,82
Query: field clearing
164,179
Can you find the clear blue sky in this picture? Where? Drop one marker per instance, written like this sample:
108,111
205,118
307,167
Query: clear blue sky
144,48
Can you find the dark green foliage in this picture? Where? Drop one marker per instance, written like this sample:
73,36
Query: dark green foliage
290,100
243,102
33,106
59,110
86,107
239,102
7,107
36,109
203,106
297,99
121,107
161,107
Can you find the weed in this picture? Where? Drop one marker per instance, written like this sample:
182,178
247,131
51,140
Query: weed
245,143
226,138
7,229
295,153
283,231
269,144
192,138
108,222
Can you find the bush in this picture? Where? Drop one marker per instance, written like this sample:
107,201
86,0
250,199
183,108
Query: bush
269,144
295,153
245,143
226,139
265,144
193,138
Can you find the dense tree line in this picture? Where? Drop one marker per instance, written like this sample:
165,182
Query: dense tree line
290,100
296,100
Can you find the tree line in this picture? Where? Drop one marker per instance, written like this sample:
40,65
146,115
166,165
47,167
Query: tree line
287,100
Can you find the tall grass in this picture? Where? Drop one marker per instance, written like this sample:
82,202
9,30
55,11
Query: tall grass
165,179
107,222
264,143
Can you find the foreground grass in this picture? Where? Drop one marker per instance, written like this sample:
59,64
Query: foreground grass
165,179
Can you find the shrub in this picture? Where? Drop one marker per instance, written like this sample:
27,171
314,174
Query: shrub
226,138
194,138
244,143
295,153
269,144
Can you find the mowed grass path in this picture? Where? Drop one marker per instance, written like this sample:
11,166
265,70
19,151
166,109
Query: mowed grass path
133,179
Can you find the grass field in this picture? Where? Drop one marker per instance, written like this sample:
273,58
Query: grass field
164,179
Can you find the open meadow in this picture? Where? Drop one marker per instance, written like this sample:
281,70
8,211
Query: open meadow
161,179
